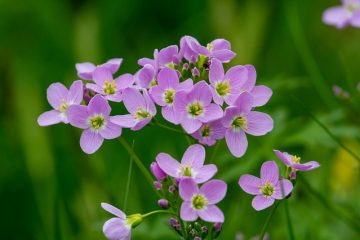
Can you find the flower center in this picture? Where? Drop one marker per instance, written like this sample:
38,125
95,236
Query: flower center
205,131
141,114
223,88
210,47
110,87
169,96
267,189
97,122
199,202
195,109
186,170
64,106
352,7
239,122
295,159
153,83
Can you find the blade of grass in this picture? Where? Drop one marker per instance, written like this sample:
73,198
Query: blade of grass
288,220
268,219
128,178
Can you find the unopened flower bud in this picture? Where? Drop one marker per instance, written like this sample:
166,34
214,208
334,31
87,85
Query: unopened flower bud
171,188
156,170
163,203
217,227
158,185
204,229
195,72
185,66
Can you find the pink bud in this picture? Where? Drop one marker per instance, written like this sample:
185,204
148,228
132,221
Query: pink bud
156,170
163,203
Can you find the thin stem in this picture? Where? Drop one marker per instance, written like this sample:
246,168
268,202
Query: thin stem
158,211
328,131
288,220
263,231
352,222
168,128
139,163
213,155
128,178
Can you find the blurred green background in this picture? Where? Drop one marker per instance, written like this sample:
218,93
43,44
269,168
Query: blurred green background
49,189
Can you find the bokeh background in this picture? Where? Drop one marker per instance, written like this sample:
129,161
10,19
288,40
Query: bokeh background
49,189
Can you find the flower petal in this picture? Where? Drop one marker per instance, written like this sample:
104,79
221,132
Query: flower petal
244,102
124,81
168,78
190,125
187,188
236,142
336,16
224,55
214,191
205,173
126,121
168,164
49,118
90,141
258,123
187,213
216,72
261,202
269,172
170,114
110,131
75,94
261,95
212,214
166,55
96,88
113,64
145,75
220,43
56,93
99,105
201,92
250,184
85,70
116,229
212,112
111,209
284,157
101,75
78,116
282,189
194,156
133,99
306,166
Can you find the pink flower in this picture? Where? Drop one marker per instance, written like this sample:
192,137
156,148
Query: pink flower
346,14
191,166
85,70
201,202
208,133
267,188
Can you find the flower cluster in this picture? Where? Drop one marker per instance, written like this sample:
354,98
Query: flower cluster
189,85
346,14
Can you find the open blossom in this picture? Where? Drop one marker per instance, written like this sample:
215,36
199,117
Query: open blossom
267,188
239,120
60,98
107,86
85,70
119,227
208,133
220,49
191,166
201,202
95,121
227,87
346,14
195,108
164,92
141,109
293,161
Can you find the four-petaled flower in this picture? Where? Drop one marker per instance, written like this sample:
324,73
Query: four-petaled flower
60,98
195,108
85,70
201,202
239,119
191,166
95,121
141,109
267,188
208,133
346,14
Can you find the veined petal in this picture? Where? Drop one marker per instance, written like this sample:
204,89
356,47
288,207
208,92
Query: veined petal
205,173
190,125
170,114
244,102
336,16
99,105
126,121
111,209
236,142
56,94
124,81
110,131
261,202
78,116
101,75
194,156
282,189
116,229
90,141
216,72
75,94
201,92
212,214
258,123
187,213
113,64
49,118
133,99
214,191
250,184
187,188
168,164
85,70
168,78
212,112
269,172
96,88
261,95
224,55
284,157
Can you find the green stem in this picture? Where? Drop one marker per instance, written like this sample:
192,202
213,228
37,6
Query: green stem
354,223
263,231
288,220
213,155
158,211
139,163
129,178
168,128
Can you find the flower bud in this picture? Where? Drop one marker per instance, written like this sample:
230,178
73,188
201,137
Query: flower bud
217,227
197,238
156,170
134,219
171,188
195,72
158,185
163,203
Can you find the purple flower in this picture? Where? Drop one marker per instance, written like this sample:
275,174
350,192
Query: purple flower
140,107
163,203
119,227
201,202
157,172
107,86
166,57
208,133
267,188
195,107
227,87
164,92
85,70
146,76
346,14
191,166
95,121
239,119
60,98
293,161
220,49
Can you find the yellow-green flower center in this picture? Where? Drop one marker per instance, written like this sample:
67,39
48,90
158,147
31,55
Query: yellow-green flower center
199,202
153,83
267,189
141,114
96,122
295,159
110,87
134,220
210,47
169,96
352,7
223,88
195,109
239,122
205,131
186,171
64,106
